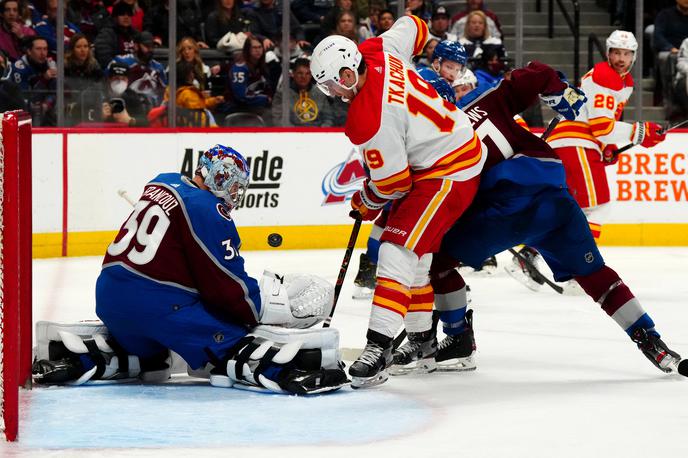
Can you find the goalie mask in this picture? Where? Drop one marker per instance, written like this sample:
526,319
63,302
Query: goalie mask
329,57
226,172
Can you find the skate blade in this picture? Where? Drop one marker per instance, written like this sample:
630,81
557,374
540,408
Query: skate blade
457,365
362,292
369,382
518,275
424,366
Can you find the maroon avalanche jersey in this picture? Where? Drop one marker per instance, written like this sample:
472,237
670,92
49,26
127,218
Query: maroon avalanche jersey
492,114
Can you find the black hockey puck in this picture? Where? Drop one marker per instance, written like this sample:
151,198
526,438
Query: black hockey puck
683,368
274,240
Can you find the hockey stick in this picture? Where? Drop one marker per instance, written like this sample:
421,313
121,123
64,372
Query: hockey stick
125,195
550,127
535,272
345,265
662,131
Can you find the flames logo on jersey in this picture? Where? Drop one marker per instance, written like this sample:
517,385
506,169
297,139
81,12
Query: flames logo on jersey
344,179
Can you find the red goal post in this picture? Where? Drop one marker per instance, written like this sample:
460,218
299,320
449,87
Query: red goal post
15,265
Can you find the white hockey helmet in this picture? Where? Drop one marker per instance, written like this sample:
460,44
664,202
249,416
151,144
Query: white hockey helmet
329,57
621,39
468,77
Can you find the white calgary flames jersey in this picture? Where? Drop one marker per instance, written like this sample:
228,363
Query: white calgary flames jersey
598,123
405,130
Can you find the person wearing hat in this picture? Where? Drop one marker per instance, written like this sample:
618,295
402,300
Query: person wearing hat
439,25
119,103
147,76
118,37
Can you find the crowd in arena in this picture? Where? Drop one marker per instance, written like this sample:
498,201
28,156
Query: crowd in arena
228,56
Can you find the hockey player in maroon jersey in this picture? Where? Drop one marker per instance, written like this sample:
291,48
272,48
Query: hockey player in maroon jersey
173,279
522,199
423,156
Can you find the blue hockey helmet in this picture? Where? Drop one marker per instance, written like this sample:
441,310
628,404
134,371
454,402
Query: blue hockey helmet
450,50
444,89
225,171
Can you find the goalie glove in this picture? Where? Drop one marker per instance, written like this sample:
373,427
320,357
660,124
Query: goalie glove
647,134
367,203
568,102
294,301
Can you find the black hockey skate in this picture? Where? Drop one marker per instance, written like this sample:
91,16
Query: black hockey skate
456,353
364,284
370,369
656,351
416,355
526,272
489,266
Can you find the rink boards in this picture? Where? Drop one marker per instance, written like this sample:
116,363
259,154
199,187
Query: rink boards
300,185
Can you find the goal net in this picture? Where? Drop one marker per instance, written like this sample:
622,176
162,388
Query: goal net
15,265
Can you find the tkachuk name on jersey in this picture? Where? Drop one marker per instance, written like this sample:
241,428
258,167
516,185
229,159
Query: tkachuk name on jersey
397,82
161,197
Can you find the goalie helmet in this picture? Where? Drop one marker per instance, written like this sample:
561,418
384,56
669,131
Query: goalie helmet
329,57
225,171
620,39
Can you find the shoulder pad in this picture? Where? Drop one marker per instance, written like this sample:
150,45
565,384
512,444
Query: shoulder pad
604,75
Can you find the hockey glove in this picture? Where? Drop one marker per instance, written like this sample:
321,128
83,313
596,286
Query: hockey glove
367,203
647,134
567,103
610,155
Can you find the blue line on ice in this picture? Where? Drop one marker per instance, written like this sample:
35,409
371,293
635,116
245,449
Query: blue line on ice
185,415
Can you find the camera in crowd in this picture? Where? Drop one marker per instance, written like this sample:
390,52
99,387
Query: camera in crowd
117,105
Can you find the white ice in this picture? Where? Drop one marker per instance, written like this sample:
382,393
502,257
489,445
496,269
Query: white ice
556,378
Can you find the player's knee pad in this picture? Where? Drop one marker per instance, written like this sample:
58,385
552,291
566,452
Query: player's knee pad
397,263
78,353
283,361
295,300
421,275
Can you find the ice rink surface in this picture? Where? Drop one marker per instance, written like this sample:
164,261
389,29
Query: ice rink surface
556,378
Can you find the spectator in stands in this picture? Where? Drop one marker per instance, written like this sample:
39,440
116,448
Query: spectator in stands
681,80
329,22
491,67
309,107
671,28
226,18
137,13
90,16
10,93
439,25
118,38
189,19
475,36
266,22
83,81
459,20
195,104
47,26
425,59
384,22
147,76
12,30
35,74
120,104
250,83
189,51
368,25
312,11
346,26
419,8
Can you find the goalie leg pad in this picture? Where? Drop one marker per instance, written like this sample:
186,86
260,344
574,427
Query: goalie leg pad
284,361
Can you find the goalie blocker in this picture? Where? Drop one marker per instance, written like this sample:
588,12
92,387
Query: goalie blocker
291,361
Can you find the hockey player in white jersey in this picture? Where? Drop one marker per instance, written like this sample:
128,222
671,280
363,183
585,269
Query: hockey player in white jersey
423,156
